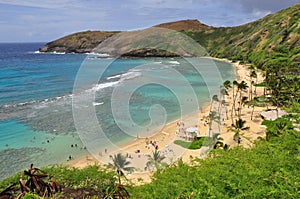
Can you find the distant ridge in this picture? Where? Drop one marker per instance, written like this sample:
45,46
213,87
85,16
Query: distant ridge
253,42
83,42
185,25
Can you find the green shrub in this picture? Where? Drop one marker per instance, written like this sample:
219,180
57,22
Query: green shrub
268,170
196,144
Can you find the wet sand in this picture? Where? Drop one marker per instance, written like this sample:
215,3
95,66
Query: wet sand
166,136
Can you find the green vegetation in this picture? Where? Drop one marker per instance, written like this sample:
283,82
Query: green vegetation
278,128
120,164
155,161
275,35
238,127
293,108
270,44
271,169
77,183
196,144
261,84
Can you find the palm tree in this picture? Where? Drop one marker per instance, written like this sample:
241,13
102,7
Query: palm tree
238,127
234,84
213,116
280,127
241,87
120,164
253,102
220,144
155,160
252,75
242,102
223,103
223,92
227,84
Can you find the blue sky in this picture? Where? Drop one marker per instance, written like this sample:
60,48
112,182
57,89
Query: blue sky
46,20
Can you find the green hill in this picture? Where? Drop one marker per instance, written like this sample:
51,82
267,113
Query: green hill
275,35
256,41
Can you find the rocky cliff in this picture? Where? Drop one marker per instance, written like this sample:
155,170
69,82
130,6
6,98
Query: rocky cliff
83,42
275,34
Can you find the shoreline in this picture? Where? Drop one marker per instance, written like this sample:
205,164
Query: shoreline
166,135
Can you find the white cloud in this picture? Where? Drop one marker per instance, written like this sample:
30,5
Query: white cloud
46,20
36,3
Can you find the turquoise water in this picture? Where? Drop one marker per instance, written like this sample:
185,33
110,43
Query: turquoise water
36,96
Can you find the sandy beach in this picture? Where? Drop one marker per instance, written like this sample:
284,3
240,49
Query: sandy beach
167,135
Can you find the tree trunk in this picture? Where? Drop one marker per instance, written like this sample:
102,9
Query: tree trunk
252,112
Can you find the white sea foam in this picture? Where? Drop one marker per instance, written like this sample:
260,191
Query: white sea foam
123,77
95,55
97,104
129,75
59,53
174,62
54,52
113,77
104,85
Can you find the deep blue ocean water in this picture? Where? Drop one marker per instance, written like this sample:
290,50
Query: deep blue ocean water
36,92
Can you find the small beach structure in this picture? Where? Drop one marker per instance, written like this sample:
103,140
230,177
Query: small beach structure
191,132
272,114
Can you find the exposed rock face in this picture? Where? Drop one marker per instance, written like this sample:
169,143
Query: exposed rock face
148,52
81,42
255,41
84,42
150,42
186,25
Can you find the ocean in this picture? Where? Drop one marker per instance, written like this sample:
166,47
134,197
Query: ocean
53,105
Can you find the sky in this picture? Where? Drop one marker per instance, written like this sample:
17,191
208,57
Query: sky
47,20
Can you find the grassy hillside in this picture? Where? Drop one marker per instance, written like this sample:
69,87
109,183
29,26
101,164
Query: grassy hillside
269,170
258,41
276,35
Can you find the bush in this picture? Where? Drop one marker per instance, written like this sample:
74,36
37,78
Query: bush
268,170
196,144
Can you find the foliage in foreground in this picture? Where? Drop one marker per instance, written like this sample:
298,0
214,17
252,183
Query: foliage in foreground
32,180
95,179
269,170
